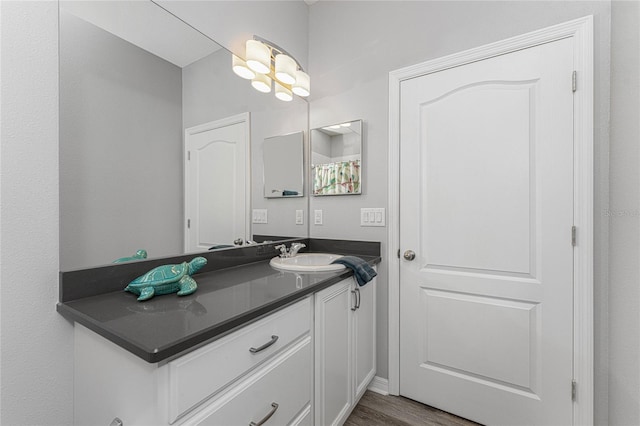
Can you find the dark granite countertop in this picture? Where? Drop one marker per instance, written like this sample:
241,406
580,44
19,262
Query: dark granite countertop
226,299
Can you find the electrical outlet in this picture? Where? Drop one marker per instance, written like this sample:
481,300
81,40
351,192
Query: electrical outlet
299,217
259,216
317,217
372,217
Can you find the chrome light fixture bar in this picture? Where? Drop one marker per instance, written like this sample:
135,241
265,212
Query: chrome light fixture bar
266,62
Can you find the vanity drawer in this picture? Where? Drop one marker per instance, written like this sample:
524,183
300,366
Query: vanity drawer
281,388
196,376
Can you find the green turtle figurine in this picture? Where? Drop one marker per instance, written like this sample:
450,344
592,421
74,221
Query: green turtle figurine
167,279
140,254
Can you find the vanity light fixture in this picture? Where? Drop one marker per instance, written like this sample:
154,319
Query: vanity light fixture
265,61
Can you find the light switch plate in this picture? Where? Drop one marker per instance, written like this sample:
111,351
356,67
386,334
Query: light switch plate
317,217
259,216
299,217
372,217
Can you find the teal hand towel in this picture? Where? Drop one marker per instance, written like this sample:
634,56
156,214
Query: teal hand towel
361,269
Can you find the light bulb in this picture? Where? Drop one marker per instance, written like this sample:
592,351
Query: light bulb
286,69
240,68
261,83
302,85
283,93
258,56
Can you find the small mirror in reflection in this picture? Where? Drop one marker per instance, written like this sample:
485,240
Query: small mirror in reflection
336,159
284,166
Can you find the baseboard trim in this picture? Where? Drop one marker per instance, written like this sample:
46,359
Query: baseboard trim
379,385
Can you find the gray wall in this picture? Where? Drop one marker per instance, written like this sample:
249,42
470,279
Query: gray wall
120,148
350,65
37,343
212,92
623,216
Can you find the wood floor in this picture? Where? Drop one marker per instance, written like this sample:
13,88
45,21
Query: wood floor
375,409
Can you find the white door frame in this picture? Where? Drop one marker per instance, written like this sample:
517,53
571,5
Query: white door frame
581,30
245,118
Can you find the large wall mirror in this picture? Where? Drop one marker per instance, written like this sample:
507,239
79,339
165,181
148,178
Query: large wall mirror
336,159
133,80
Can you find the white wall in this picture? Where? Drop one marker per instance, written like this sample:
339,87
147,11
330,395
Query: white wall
37,345
350,65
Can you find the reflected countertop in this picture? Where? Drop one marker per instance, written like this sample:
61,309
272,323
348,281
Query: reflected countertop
165,326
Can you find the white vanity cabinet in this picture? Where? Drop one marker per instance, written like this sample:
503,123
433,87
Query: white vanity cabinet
345,348
263,370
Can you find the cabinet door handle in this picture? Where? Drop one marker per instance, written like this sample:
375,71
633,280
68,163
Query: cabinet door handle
357,298
274,339
355,303
274,407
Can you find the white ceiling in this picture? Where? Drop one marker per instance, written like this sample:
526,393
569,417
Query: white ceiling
146,25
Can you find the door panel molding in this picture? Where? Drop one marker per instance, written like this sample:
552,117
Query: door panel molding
581,31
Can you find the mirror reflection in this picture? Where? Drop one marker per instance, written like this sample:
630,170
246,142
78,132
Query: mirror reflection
133,80
283,166
336,159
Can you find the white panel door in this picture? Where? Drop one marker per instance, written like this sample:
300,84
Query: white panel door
216,185
486,204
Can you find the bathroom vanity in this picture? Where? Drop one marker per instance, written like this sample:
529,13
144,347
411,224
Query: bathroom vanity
254,345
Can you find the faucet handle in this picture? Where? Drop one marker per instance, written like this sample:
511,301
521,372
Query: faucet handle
283,250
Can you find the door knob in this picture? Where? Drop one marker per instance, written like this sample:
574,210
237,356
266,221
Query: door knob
409,255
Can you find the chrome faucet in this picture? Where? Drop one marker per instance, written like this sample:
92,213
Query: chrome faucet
293,250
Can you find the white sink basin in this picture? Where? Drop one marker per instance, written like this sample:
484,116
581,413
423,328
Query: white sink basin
308,262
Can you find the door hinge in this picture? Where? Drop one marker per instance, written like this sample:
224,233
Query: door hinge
574,81
574,233
398,253
574,391
189,223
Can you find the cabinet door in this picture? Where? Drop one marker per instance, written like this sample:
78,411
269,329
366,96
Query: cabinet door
365,337
334,376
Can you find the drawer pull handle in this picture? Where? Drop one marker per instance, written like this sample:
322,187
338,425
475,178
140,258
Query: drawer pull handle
265,346
267,417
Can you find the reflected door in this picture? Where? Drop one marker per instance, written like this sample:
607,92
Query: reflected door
487,207
216,184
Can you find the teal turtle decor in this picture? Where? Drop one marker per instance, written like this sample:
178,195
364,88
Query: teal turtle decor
167,279
140,254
